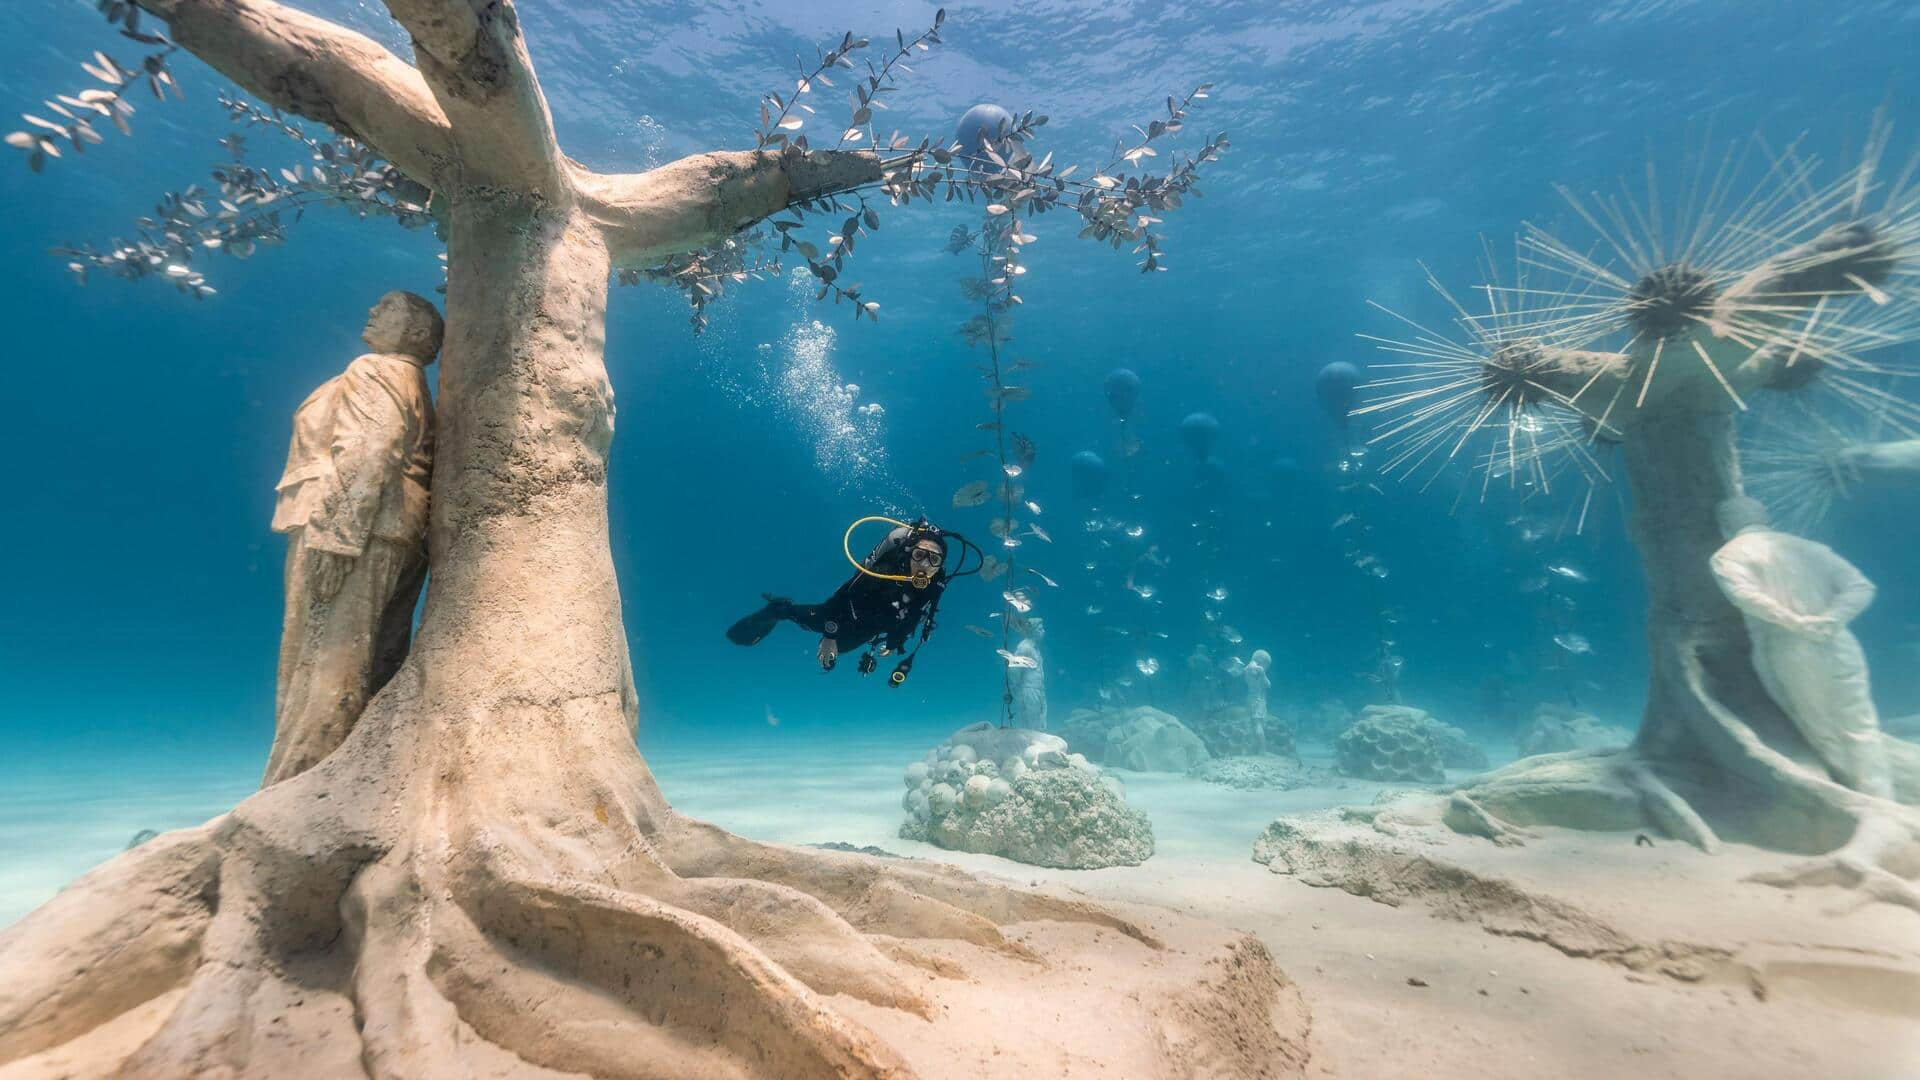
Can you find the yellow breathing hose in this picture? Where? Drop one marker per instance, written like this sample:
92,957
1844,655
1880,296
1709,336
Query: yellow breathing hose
846,546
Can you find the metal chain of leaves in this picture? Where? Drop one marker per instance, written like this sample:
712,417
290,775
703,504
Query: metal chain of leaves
703,275
778,121
245,207
998,244
42,140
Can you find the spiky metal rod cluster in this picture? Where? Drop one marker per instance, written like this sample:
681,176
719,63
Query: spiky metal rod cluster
1491,400
1778,283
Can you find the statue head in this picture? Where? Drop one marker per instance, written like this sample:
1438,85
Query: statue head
1261,657
405,324
1036,629
1740,514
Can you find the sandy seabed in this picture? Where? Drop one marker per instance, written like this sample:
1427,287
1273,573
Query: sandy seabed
1419,990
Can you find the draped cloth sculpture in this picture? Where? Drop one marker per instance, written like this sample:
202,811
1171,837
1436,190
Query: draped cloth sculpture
1797,597
353,503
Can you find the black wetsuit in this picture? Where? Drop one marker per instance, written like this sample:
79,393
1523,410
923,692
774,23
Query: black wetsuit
866,608
861,611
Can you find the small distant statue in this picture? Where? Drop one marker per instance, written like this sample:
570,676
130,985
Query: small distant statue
1202,677
1030,681
1258,681
1797,597
353,503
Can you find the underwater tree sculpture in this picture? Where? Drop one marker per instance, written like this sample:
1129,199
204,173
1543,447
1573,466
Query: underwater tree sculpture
484,878
1746,295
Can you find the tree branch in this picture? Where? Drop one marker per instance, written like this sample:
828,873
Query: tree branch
706,198
475,60
318,70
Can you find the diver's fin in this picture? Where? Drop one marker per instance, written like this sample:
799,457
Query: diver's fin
750,630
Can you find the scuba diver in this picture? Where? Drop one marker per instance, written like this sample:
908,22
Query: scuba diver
893,593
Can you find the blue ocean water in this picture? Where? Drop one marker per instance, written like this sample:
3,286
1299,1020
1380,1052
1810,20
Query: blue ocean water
145,431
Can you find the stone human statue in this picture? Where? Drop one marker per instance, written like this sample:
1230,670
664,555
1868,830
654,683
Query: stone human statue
353,503
1258,681
1797,597
1202,675
1030,682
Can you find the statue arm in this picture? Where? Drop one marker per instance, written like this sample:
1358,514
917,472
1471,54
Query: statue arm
703,199
1743,588
368,437
319,70
1853,593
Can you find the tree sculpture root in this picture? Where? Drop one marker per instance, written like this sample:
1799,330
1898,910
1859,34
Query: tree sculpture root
1735,786
366,918
1876,866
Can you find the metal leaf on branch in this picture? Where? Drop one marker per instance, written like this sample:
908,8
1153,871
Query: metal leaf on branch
974,494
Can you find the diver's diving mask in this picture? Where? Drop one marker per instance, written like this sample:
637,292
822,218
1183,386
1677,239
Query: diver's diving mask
925,564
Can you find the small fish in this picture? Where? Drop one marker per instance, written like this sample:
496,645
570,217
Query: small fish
1094,609
1378,571
1033,507
1217,594
1149,666
1145,591
1044,578
1135,532
1573,643
1568,572
1018,600
1343,519
980,630
1233,636
1035,530
1015,660
772,720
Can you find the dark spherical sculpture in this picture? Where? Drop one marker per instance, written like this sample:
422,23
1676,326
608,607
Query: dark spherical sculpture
1123,391
1334,385
1200,431
981,126
1089,476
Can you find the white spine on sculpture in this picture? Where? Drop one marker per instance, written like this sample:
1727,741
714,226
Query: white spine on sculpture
1797,597
1030,681
353,503
1258,683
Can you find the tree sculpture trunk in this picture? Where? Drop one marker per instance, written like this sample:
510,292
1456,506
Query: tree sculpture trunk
1715,756
484,879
